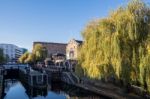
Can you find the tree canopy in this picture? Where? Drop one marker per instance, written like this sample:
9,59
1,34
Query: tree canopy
2,58
39,53
119,45
23,58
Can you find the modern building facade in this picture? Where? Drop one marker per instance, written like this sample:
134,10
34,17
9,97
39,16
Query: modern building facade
53,48
11,52
72,49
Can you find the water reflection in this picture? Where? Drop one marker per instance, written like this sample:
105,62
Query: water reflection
14,89
73,92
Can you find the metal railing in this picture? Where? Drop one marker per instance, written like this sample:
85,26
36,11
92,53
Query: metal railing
14,66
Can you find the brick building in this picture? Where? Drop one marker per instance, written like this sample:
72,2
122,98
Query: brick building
72,49
53,48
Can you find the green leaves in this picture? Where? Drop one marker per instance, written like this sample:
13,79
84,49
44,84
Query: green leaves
23,58
118,45
39,54
2,58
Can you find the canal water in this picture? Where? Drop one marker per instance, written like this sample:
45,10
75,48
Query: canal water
14,89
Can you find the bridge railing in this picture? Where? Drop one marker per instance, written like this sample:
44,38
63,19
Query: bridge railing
14,66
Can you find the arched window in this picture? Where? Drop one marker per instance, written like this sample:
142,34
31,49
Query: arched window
71,54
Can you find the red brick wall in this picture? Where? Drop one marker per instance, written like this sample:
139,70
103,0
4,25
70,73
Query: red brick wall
53,47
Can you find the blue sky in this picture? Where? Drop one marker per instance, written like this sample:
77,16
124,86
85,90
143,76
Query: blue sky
24,21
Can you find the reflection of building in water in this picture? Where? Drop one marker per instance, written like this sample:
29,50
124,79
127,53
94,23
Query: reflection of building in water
1,81
9,83
72,92
31,92
34,92
61,89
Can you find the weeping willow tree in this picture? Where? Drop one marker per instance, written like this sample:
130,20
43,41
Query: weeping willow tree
119,45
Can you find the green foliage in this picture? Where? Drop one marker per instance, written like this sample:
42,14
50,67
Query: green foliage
39,54
23,58
2,58
119,45
30,58
79,71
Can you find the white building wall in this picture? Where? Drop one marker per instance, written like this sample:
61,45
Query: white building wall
12,51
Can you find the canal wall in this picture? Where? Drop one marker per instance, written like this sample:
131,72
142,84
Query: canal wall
11,73
1,85
107,90
33,78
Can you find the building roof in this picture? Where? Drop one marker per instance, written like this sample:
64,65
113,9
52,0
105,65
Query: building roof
4,44
49,43
79,41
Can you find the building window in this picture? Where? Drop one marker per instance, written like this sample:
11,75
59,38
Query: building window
71,54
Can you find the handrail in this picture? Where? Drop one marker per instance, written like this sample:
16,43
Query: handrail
75,77
73,82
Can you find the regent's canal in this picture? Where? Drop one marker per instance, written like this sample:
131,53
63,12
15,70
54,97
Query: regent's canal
14,89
